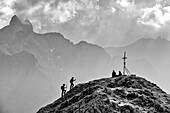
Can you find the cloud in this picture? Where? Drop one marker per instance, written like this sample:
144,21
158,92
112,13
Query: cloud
105,22
144,3
5,7
35,2
125,3
6,12
64,12
58,11
20,6
156,16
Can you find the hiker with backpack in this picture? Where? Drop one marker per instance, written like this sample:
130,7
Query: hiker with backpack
71,83
63,89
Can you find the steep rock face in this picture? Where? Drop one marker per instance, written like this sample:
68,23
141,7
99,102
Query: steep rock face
124,94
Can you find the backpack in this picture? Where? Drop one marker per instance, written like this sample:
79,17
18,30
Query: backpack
62,88
71,80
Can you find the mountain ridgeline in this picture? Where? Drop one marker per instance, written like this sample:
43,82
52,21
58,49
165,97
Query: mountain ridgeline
123,94
33,66
147,57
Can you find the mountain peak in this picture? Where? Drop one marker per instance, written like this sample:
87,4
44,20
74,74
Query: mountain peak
15,21
125,94
18,25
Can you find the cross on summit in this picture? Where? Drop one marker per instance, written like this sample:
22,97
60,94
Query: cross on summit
125,70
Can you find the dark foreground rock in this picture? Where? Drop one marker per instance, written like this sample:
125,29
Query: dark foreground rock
124,94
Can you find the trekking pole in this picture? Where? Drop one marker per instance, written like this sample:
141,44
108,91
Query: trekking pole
75,82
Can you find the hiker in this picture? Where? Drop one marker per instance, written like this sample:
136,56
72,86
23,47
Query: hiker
63,88
71,83
113,74
120,73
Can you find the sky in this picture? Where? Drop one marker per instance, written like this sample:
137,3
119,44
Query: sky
102,22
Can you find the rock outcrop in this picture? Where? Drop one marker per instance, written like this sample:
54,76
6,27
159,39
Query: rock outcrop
124,94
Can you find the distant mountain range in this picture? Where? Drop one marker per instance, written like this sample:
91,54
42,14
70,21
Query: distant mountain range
123,94
33,66
147,57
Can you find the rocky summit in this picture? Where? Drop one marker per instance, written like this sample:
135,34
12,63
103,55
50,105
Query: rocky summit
122,94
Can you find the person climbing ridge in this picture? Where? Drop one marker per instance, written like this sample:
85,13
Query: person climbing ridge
63,89
71,83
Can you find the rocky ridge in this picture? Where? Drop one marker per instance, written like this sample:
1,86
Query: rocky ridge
123,94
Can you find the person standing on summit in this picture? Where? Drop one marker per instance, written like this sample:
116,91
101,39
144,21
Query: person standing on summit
113,74
71,83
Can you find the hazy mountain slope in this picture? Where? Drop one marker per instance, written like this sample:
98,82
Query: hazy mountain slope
92,56
152,48
21,84
53,51
125,94
154,51
37,63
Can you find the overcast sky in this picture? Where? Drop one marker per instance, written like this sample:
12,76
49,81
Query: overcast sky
103,22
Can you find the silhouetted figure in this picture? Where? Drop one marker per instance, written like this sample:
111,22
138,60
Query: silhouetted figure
113,74
120,73
71,83
63,88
